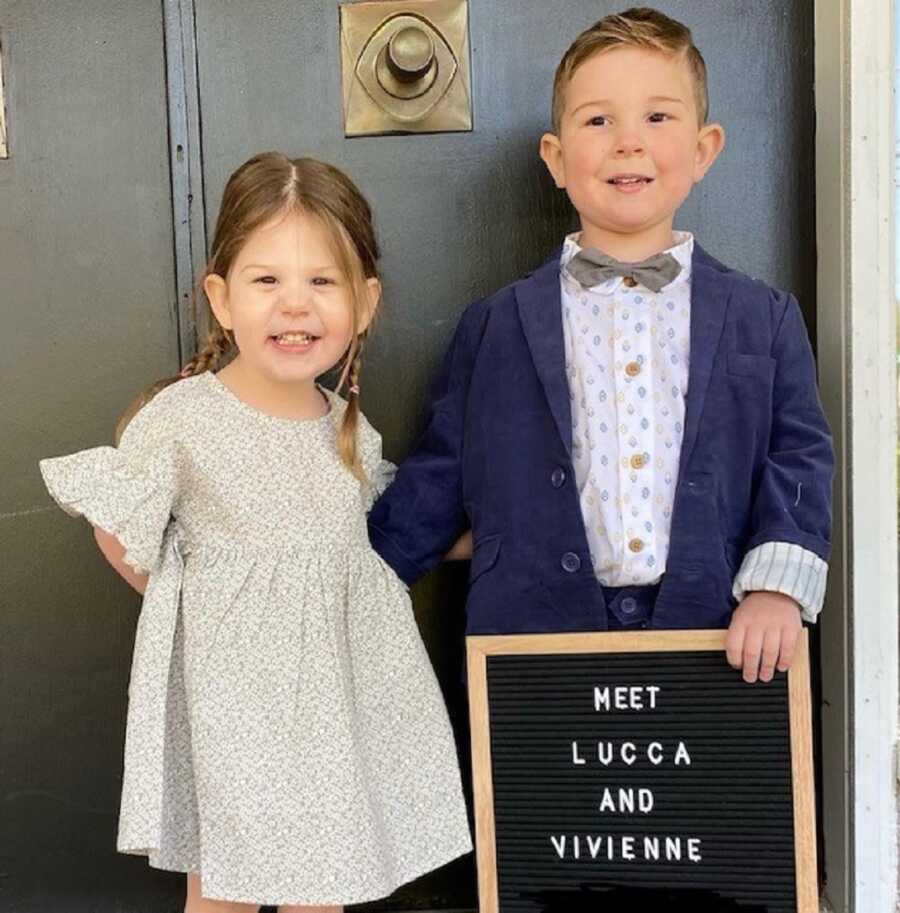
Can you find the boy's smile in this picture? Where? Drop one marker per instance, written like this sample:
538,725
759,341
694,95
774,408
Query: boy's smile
630,148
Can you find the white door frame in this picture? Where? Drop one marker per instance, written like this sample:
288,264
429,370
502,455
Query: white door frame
854,63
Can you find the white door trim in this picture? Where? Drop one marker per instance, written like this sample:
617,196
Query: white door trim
856,318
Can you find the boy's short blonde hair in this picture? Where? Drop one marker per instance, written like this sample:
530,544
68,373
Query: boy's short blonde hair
639,27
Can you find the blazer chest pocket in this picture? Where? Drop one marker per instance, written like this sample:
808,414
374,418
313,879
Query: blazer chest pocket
761,367
484,556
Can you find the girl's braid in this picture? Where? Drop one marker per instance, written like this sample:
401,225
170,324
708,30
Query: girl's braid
347,435
218,345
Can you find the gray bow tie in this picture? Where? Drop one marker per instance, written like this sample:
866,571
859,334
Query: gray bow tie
590,267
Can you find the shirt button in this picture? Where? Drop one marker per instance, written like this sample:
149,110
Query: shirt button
632,369
558,477
570,562
638,461
628,605
630,281
636,545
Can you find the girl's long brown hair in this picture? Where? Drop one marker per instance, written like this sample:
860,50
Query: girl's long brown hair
267,186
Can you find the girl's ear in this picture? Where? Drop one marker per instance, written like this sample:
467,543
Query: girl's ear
370,303
217,293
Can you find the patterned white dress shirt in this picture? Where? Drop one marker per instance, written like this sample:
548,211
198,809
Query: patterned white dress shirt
627,360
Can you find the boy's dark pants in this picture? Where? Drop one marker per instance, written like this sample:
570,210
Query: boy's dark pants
629,607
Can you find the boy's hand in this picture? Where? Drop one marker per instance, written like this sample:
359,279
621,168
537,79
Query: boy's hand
763,634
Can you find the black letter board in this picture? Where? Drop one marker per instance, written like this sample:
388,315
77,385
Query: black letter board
637,771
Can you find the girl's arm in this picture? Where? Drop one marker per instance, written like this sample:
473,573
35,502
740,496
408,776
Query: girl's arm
462,548
114,552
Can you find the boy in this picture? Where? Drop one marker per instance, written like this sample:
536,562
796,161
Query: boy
632,431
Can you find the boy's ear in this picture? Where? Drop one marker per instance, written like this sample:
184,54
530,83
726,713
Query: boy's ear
551,152
710,142
373,296
217,293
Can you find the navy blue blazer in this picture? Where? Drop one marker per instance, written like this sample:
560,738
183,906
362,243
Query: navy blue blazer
756,459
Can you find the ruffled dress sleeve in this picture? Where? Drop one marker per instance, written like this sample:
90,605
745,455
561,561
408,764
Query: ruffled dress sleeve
379,471
127,491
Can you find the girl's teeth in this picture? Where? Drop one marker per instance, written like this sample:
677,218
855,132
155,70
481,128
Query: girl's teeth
294,338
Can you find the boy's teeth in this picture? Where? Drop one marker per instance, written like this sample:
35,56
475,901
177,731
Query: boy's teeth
294,338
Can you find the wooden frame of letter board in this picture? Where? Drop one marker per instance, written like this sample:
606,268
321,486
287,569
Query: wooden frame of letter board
480,647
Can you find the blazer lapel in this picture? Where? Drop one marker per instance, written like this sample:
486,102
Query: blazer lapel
540,311
710,291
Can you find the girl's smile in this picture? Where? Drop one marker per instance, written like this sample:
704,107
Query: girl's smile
293,342
290,307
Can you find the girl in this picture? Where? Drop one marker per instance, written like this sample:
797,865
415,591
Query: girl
287,743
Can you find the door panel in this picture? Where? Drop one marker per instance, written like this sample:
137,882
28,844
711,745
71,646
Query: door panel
87,304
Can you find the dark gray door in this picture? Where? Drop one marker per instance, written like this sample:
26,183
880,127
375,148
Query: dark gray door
88,315
88,293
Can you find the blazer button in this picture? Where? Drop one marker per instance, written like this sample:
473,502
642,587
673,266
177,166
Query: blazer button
570,562
628,605
558,477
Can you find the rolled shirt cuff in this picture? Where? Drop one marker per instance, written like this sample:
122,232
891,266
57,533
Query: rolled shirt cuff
784,567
